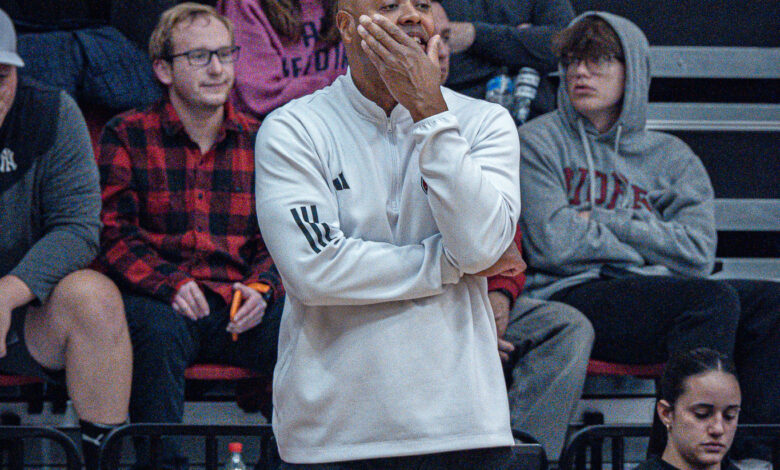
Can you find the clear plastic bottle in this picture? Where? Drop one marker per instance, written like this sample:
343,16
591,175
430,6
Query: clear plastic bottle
499,89
526,84
235,462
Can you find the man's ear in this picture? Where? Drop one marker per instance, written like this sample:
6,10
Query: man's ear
345,22
665,412
164,71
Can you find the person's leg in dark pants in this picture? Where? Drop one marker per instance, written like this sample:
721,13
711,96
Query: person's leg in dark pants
254,349
644,319
164,344
757,357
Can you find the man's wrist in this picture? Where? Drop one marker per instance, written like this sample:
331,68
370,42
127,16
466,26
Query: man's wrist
506,294
427,110
14,292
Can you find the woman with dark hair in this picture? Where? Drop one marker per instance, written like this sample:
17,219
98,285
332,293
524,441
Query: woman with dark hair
289,48
699,407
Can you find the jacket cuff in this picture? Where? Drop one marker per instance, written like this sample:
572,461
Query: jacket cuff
40,288
167,291
617,220
512,287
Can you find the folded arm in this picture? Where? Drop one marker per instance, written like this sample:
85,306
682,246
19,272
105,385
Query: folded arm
679,233
320,265
472,186
557,238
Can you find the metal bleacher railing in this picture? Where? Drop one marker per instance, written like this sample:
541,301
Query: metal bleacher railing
13,437
111,449
586,448
531,454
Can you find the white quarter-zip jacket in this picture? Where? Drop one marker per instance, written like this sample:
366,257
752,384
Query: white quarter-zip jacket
387,344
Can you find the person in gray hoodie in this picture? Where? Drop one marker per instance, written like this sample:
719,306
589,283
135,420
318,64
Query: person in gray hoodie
619,221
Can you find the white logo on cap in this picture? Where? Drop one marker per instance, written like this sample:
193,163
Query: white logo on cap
7,163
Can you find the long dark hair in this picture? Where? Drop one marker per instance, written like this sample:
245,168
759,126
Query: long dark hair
679,368
285,17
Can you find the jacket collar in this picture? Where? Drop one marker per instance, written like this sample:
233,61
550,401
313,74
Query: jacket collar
172,124
365,107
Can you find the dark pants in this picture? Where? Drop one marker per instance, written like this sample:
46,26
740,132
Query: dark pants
644,319
165,343
497,458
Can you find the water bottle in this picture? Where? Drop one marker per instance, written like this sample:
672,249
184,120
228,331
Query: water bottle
235,462
526,84
499,89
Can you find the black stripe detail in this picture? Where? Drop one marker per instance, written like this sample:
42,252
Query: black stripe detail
327,232
303,229
343,180
337,184
313,223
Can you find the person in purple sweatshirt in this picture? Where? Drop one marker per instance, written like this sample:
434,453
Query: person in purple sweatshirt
289,48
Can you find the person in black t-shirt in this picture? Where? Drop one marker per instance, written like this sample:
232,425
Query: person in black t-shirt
699,407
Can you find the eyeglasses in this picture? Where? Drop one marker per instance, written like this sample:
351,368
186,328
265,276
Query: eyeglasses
593,64
202,57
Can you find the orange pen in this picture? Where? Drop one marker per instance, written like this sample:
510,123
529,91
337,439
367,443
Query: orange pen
237,297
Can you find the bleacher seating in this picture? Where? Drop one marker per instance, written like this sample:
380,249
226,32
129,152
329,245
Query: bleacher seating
737,143
645,371
715,75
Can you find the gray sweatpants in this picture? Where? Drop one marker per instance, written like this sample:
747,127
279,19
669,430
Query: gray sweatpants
552,346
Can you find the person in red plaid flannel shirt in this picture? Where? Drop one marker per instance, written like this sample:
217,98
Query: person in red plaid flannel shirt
180,232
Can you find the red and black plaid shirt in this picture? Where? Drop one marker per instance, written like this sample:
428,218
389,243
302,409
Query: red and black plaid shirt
172,214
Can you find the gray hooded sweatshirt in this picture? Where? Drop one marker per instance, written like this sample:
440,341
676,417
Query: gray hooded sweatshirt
650,199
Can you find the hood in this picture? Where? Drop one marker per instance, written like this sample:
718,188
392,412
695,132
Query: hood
633,114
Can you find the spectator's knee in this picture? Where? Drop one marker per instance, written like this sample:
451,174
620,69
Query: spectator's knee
92,305
724,300
578,328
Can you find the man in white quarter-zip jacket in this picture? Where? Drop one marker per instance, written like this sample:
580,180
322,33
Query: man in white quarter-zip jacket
385,200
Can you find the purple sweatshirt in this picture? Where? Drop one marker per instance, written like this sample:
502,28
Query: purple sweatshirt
272,69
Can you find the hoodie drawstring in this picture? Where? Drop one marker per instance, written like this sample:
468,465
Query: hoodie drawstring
589,159
617,137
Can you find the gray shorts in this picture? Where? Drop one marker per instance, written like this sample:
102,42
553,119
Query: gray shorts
18,360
